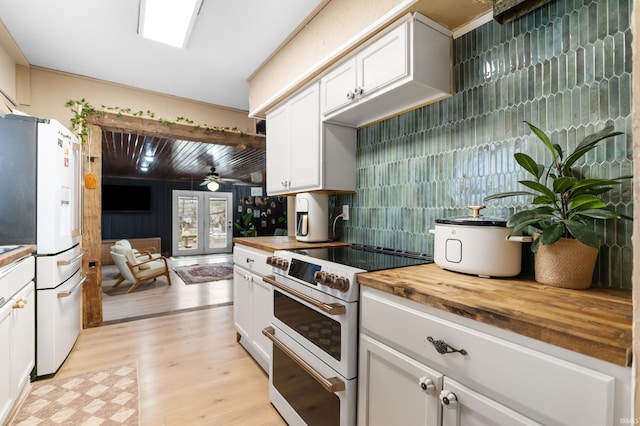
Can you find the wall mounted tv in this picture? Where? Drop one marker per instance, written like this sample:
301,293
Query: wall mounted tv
126,198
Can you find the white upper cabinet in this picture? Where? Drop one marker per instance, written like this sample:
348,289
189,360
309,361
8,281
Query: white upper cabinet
305,155
405,66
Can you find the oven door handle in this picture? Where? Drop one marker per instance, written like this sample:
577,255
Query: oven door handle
329,308
331,384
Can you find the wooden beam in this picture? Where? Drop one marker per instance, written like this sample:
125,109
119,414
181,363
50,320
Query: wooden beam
152,127
92,232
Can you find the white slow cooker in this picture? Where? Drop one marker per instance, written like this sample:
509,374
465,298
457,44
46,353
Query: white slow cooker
477,245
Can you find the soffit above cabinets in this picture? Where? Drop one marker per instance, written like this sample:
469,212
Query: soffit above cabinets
453,14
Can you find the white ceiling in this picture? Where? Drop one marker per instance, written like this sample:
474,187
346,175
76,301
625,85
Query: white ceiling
98,39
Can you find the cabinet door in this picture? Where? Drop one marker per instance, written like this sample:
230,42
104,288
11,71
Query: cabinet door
462,406
338,87
278,150
384,62
306,155
6,399
262,312
394,389
242,301
23,337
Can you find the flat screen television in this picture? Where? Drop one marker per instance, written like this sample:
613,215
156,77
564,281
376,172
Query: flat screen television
126,198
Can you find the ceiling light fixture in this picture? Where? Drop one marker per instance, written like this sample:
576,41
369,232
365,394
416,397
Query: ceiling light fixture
168,21
213,186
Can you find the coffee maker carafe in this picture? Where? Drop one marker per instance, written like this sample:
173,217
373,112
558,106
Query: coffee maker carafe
312,217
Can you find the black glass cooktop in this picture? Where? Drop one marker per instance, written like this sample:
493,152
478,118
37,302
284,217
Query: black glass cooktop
368,258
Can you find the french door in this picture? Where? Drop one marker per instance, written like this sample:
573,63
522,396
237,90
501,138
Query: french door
201,222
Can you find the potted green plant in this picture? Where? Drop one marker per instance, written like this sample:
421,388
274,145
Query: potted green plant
245,226
563,204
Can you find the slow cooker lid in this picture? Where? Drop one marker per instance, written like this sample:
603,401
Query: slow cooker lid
474,220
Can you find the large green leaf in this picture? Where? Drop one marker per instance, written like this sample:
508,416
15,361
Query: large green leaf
552,233
535,245
591,183
528,164
520,226
545,139
563,184
541,199
507,194
603,213
600,214
537,186
533,215
584,202
583,233
587,145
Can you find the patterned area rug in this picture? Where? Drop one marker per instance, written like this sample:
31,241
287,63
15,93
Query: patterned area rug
197,274
105,397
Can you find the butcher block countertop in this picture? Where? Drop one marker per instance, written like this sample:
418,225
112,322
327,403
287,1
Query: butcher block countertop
595,322
272,244
13,255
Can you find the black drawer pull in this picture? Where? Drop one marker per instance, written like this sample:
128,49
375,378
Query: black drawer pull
443,348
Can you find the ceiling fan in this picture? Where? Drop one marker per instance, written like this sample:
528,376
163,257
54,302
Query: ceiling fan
214,177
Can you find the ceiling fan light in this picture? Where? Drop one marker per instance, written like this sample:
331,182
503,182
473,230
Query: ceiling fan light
213,186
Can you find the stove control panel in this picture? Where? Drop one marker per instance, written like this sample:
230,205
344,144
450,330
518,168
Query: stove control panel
332,280
278,262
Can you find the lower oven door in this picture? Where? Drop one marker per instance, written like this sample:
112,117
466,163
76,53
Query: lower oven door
58,323
304,390
324,325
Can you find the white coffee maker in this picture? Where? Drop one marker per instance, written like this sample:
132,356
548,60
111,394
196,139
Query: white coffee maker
312,217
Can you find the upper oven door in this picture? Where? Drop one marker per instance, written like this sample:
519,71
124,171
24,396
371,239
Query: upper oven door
324,325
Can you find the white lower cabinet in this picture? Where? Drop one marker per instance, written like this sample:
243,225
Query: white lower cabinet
6,388
395,389
463,406
419,365
252,303
17,332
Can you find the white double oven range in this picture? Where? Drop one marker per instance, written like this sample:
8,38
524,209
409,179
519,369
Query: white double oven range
314,329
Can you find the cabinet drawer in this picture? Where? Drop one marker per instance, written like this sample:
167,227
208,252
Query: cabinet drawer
251,259
545,388
15,276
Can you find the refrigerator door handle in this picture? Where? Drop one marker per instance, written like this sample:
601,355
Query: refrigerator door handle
69,292
72,260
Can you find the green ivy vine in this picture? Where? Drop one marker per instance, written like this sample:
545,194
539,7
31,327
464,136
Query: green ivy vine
82,109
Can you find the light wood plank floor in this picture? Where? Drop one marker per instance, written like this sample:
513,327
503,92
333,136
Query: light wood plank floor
191,370
156,297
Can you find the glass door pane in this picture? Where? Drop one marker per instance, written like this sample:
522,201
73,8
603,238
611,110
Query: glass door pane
219,220
187,226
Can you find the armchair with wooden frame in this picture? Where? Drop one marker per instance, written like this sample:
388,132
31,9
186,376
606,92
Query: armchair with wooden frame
135,270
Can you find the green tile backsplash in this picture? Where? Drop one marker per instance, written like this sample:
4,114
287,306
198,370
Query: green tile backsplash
566,67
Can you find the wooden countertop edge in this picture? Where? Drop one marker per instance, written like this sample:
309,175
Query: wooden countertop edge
614,349
13,255
274,243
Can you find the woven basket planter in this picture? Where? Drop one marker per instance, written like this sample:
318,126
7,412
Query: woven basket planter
567,263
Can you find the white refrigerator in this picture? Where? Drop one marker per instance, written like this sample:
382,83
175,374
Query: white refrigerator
41,204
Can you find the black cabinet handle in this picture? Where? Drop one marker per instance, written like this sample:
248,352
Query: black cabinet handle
444,348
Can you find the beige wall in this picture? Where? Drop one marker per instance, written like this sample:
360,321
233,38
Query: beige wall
50,90
7,76
339,25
